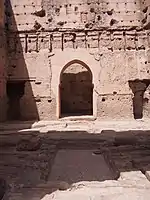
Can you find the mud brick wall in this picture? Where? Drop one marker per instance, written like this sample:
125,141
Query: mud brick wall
109,37
3,64
147,102
145,6
76,14
93,13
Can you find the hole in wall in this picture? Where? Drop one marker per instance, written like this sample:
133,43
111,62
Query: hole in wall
98,17
114,92
76,9
103,99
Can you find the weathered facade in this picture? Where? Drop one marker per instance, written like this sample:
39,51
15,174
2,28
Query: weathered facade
74,57
3,64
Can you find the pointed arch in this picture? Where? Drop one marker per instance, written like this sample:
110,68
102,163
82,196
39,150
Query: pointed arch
79,62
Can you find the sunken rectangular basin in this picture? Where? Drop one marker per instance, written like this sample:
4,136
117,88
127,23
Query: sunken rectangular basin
73,166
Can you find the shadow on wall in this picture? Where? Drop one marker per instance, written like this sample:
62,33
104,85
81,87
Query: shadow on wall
2,188
138,88
79,156
21,101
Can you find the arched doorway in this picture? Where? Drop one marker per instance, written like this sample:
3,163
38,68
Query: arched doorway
76,90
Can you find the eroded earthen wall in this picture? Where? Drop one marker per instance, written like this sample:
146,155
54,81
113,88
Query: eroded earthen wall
145,7
3,65
109,36
146,106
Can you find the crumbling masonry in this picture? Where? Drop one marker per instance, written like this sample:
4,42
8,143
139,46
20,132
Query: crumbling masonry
74,57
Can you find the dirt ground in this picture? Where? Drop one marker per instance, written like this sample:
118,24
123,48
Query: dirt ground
86,160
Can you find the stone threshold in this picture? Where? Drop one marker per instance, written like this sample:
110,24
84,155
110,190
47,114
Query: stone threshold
78,118
91,126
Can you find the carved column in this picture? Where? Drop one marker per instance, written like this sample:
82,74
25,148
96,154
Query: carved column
138,88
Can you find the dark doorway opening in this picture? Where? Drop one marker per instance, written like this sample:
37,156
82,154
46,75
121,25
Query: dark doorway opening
76,90
15,90
138,88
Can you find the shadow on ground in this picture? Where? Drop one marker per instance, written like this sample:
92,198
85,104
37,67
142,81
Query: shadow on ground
35,164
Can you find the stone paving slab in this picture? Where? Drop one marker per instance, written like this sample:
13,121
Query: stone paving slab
134,178
133,185
90,126
117,194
